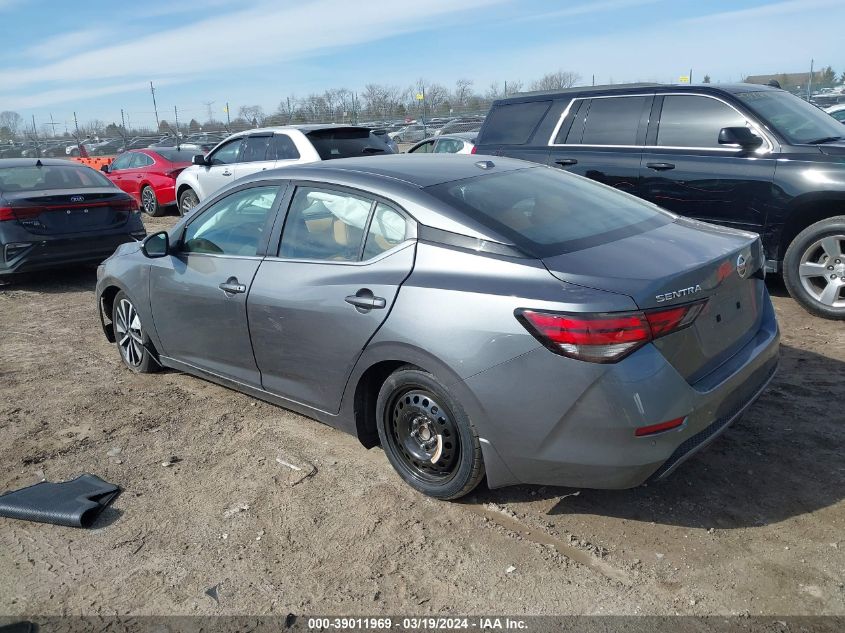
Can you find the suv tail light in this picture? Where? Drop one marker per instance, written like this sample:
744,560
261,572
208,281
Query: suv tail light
605,337
473,150
172,173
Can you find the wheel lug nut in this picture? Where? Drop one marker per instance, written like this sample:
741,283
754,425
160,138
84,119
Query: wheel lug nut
830,267
833,276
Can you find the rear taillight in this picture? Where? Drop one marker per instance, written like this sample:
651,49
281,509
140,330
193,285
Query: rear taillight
174,172
24,213
473,150
6,214
605,337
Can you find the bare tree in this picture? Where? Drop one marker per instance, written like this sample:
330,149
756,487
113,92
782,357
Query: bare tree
435,95
495,91
463,92
12,121
556,81
253,114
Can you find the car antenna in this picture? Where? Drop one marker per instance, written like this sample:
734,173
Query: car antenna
38,163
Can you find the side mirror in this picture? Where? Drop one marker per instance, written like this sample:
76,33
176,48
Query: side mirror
741,136
156,245
199,159
105,168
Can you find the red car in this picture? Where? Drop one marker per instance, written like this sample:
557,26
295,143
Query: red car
149,175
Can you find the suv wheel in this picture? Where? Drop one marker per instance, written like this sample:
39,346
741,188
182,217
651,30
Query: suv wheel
814,268
426,435
187,201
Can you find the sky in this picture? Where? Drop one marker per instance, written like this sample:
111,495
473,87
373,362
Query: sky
94,58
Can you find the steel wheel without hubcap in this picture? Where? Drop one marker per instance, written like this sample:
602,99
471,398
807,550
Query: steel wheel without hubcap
424,435
128,332
822,270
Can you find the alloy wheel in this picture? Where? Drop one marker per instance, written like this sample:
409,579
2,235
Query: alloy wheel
424,435
130,336
822,270
148,201
187,202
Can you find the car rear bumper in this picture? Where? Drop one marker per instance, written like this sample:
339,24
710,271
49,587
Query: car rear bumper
573,425
46,252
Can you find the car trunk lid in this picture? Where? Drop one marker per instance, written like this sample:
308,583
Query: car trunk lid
679,263
66,211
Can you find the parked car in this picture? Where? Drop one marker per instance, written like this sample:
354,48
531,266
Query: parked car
139,142
506,294
149,175
383,134
258,150
461,143
409,133
462,124
57,212
743,156
837,112
205,141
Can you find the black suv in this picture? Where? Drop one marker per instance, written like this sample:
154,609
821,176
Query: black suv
744,156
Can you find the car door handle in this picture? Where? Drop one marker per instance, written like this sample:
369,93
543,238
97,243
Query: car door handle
566,162
231,286
364,300
227,173
660,166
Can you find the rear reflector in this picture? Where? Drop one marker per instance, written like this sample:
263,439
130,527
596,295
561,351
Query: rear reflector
659,428
605,337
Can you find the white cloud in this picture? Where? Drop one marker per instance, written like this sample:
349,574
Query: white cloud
258,36
63,95
587,8
748,16
66,44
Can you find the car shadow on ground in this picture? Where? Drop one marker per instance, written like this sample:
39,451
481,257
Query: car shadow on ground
783,458
54,281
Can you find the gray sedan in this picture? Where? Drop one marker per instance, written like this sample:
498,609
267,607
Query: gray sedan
475,318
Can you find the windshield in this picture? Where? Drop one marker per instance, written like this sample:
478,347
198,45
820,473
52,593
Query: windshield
177,155
347,142
33,178
798,121
546,212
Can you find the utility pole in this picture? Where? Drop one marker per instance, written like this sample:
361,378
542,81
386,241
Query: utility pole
290,113
208,105
35,136
155,107
690,75
229,119
176,120
123,128
810,80
76,126
53,125
594,79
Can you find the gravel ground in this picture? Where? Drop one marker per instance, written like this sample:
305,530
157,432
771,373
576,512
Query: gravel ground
753,525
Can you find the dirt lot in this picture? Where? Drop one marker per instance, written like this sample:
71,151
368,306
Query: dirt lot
753,525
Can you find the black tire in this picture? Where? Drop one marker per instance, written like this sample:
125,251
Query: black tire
814,268
452,465
149,202
187,201
133,344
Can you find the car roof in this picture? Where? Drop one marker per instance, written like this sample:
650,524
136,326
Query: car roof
734,88
417,170
31,162
305,128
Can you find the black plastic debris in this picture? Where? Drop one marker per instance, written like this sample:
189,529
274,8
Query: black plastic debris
75,503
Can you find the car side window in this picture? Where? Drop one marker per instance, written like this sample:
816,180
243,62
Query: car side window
325,225
122,162
227,154
233,225
282,147
613,121
254,149
694,121
448,146
424,148
387,229
140,160
513,124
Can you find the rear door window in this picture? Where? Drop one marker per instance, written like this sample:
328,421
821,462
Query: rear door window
695,121
347,142
423,148
254,149
282,147
448,146
514,123
613,120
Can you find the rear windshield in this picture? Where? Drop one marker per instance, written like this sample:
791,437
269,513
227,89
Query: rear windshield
546,212
33,178
346,143
177,155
